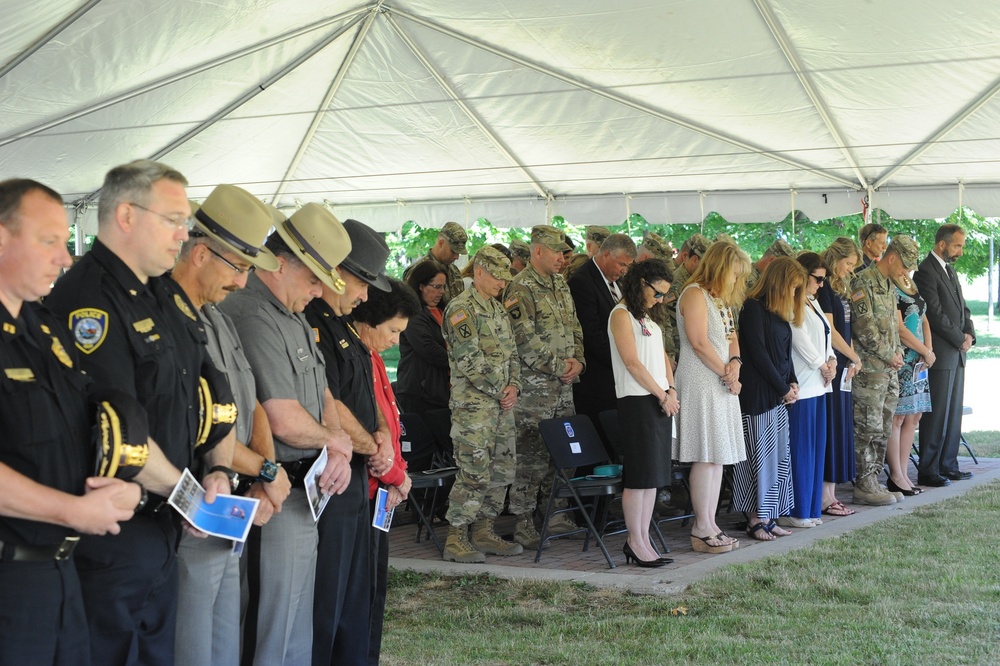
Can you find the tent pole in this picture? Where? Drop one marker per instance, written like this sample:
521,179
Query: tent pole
46,38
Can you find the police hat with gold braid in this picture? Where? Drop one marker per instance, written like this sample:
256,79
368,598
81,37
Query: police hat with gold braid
216,408
121,434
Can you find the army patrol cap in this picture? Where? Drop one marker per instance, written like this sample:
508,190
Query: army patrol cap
457,238
697,245
654,243
319,240
520,249
239,221
597,234
550,237
780,248
493,262
907,250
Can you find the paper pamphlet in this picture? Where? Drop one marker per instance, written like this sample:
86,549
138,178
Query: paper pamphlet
229,517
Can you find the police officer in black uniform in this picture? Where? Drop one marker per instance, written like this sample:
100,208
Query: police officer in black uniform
45,452
137,332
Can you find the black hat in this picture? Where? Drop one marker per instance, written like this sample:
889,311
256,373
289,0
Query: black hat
368,255
121,434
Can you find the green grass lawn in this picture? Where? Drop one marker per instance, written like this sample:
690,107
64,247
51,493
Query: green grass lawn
987,343
917,589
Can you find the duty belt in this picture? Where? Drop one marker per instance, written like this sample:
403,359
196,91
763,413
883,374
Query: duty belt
297,470
61,551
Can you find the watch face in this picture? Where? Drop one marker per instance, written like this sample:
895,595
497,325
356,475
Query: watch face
268,471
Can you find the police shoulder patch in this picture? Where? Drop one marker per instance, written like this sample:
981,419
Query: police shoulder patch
89,327
458,317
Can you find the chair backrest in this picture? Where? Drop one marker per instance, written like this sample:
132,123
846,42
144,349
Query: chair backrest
439,423
609,422
572,441
417,444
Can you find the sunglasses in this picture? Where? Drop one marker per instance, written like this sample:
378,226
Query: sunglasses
656,294
820,279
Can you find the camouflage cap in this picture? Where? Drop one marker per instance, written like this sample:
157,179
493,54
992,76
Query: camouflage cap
597,234
550,237
697,245
457,238
907,250
779,248
520,249
655,244
493,262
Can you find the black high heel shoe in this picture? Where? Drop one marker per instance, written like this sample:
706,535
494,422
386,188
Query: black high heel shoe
891,485
630,557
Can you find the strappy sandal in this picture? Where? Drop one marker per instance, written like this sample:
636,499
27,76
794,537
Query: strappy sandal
761,528
838,508
702,545
773,525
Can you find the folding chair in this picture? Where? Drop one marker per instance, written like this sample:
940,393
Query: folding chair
573,442
420,450
439,422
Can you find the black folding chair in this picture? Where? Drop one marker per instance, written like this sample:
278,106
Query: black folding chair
573,442
439,423
421,451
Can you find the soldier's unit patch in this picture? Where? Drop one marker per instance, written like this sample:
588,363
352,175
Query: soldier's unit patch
861,307
465,331
90,327
858,295
458,317
515,312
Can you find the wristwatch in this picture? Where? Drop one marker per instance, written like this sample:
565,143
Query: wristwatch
234,478
143,497
268,471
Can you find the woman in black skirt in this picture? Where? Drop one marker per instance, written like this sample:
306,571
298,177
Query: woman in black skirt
646,402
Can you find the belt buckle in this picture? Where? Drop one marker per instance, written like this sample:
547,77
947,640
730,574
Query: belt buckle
65,549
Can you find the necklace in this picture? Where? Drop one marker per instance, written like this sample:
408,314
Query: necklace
726,313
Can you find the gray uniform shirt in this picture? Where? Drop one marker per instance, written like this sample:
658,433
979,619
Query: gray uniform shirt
227,354
282,351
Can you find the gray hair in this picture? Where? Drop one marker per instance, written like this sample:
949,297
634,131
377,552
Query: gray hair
616,243
195,239
132,183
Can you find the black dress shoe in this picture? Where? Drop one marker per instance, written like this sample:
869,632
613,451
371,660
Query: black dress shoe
957,476
936,481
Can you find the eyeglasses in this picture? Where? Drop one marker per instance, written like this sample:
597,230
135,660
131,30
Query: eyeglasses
239,271
186,223
435,287
820,279
656,294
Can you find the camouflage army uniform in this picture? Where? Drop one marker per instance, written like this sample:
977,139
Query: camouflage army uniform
483,359
753,278
672,346
453,285
543,315
875,331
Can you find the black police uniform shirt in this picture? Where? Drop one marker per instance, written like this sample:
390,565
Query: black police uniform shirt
146,340
44,415
348,362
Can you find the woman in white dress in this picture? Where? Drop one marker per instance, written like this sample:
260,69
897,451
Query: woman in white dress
710,430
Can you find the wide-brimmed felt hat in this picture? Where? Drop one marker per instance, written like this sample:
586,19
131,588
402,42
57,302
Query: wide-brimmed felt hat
239,221
368,254
493,262
457,238
319,240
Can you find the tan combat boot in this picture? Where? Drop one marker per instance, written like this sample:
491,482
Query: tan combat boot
867,491
484,538
458,549
525,532
562,523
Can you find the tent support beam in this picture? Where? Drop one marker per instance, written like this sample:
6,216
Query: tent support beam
791,55
621,99
462,104
955,121
179,76
246,97
327,100
47,37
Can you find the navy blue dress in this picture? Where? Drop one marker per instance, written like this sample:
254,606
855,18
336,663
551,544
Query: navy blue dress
839,466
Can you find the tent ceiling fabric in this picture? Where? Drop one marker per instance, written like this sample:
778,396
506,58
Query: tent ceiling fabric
516,110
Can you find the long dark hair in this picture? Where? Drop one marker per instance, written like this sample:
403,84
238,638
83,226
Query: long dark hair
421,275
639,275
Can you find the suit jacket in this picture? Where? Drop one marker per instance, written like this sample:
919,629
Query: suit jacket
947,313
593,308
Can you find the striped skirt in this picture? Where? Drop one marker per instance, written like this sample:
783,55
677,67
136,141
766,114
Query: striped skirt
762,483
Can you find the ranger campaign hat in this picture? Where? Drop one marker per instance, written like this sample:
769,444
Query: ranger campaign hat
520,249
493,262
697,245
779,248
597,234
368,254
238,220
655,244
121,433
457,238
550,237
907,250
317,238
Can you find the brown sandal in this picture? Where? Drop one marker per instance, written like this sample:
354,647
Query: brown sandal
702,545
838,508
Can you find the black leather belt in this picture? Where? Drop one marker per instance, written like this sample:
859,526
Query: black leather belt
297,470
61,551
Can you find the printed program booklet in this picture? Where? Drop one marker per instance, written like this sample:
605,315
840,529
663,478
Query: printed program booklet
317,498
229,517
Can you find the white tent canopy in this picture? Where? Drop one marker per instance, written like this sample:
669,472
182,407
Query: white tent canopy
516,110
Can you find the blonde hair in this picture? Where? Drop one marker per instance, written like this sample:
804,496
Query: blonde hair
782,289
722,272
840,249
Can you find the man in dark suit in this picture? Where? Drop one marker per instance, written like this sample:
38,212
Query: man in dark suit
952,334
595,294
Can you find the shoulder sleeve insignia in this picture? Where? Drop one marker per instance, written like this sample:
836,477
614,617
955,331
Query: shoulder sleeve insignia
515,312
669,298
458,318
316,335
465,330
857,296
510,302
184,307
89,327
